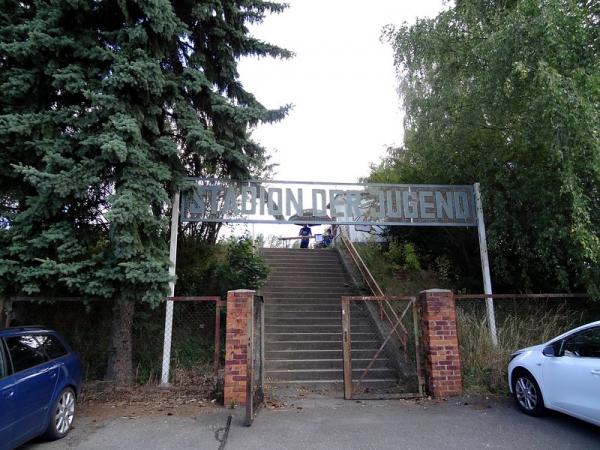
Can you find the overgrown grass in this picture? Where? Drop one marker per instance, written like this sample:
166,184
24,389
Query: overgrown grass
484,366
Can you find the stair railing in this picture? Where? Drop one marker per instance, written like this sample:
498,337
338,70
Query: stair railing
386,311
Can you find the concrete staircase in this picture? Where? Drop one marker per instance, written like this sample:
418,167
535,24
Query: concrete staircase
303,337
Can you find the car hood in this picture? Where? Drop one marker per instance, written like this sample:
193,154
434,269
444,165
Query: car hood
529,349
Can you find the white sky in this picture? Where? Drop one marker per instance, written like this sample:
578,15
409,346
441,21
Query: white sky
342,85
341,82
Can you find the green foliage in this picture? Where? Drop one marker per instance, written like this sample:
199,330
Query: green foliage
402,257
214,269
507,94
397,269
104,107
242,267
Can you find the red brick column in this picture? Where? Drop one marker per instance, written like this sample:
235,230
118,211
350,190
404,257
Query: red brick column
236,346
440,341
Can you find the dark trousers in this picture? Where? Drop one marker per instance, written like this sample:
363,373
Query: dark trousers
304,243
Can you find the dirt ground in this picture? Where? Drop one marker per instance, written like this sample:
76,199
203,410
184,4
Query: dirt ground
102,401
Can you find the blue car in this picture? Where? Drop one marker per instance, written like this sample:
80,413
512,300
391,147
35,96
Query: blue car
40,379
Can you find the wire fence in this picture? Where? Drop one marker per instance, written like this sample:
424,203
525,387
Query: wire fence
197,336
521,320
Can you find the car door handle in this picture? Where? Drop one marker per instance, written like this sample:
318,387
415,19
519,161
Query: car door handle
595,372
9,394
53,375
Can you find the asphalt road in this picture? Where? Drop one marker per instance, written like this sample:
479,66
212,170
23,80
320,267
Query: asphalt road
323,423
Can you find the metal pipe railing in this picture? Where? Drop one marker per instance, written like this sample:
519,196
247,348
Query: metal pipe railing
370,281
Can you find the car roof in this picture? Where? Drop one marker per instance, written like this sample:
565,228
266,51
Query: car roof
575,330
16,331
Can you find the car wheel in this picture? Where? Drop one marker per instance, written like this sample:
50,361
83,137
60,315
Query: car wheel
528,394
62,415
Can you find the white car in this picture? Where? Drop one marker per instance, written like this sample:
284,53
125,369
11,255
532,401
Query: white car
562,374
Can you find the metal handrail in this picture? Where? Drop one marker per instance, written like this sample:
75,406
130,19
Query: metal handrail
384,305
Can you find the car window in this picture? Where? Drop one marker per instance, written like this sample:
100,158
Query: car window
53,347
3,362
25,352
585,344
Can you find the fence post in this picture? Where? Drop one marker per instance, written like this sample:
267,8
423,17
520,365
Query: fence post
236,346
485,267
347,348
217,355
166,362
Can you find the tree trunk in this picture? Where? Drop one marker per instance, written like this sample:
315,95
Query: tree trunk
2,318
119,364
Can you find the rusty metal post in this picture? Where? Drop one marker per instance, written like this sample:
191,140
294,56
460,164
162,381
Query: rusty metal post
217,337
347,348
420,378
250,364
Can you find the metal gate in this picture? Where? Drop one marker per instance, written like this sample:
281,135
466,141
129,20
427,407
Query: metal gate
256,356
380,347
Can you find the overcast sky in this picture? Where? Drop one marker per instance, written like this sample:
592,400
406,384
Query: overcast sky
341,82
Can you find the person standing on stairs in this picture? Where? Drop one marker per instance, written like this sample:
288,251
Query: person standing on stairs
305,231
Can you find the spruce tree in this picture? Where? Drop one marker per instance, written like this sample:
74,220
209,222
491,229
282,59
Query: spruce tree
104,107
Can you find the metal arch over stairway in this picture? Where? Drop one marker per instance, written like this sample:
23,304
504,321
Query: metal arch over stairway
303,336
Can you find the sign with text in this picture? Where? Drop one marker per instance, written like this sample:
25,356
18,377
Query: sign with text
296,202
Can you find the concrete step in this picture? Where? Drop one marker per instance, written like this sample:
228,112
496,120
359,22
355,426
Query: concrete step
326,374
317,288
317,354
331,272
335,385
292,281
297,320
326,336
303,265
299,308
302,261
329,300
320,364
307,292
295,250
312,328
302,253
304,345
309,278
301,257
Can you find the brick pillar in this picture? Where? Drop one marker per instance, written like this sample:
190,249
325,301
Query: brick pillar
440,342
236,346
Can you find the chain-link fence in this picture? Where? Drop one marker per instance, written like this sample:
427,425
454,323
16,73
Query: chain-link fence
521,321
197,336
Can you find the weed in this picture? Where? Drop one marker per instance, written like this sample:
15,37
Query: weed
484,366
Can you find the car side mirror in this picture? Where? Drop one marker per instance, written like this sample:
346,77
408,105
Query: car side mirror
550,351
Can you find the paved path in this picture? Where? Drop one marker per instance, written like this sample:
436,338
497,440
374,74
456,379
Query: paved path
323,423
